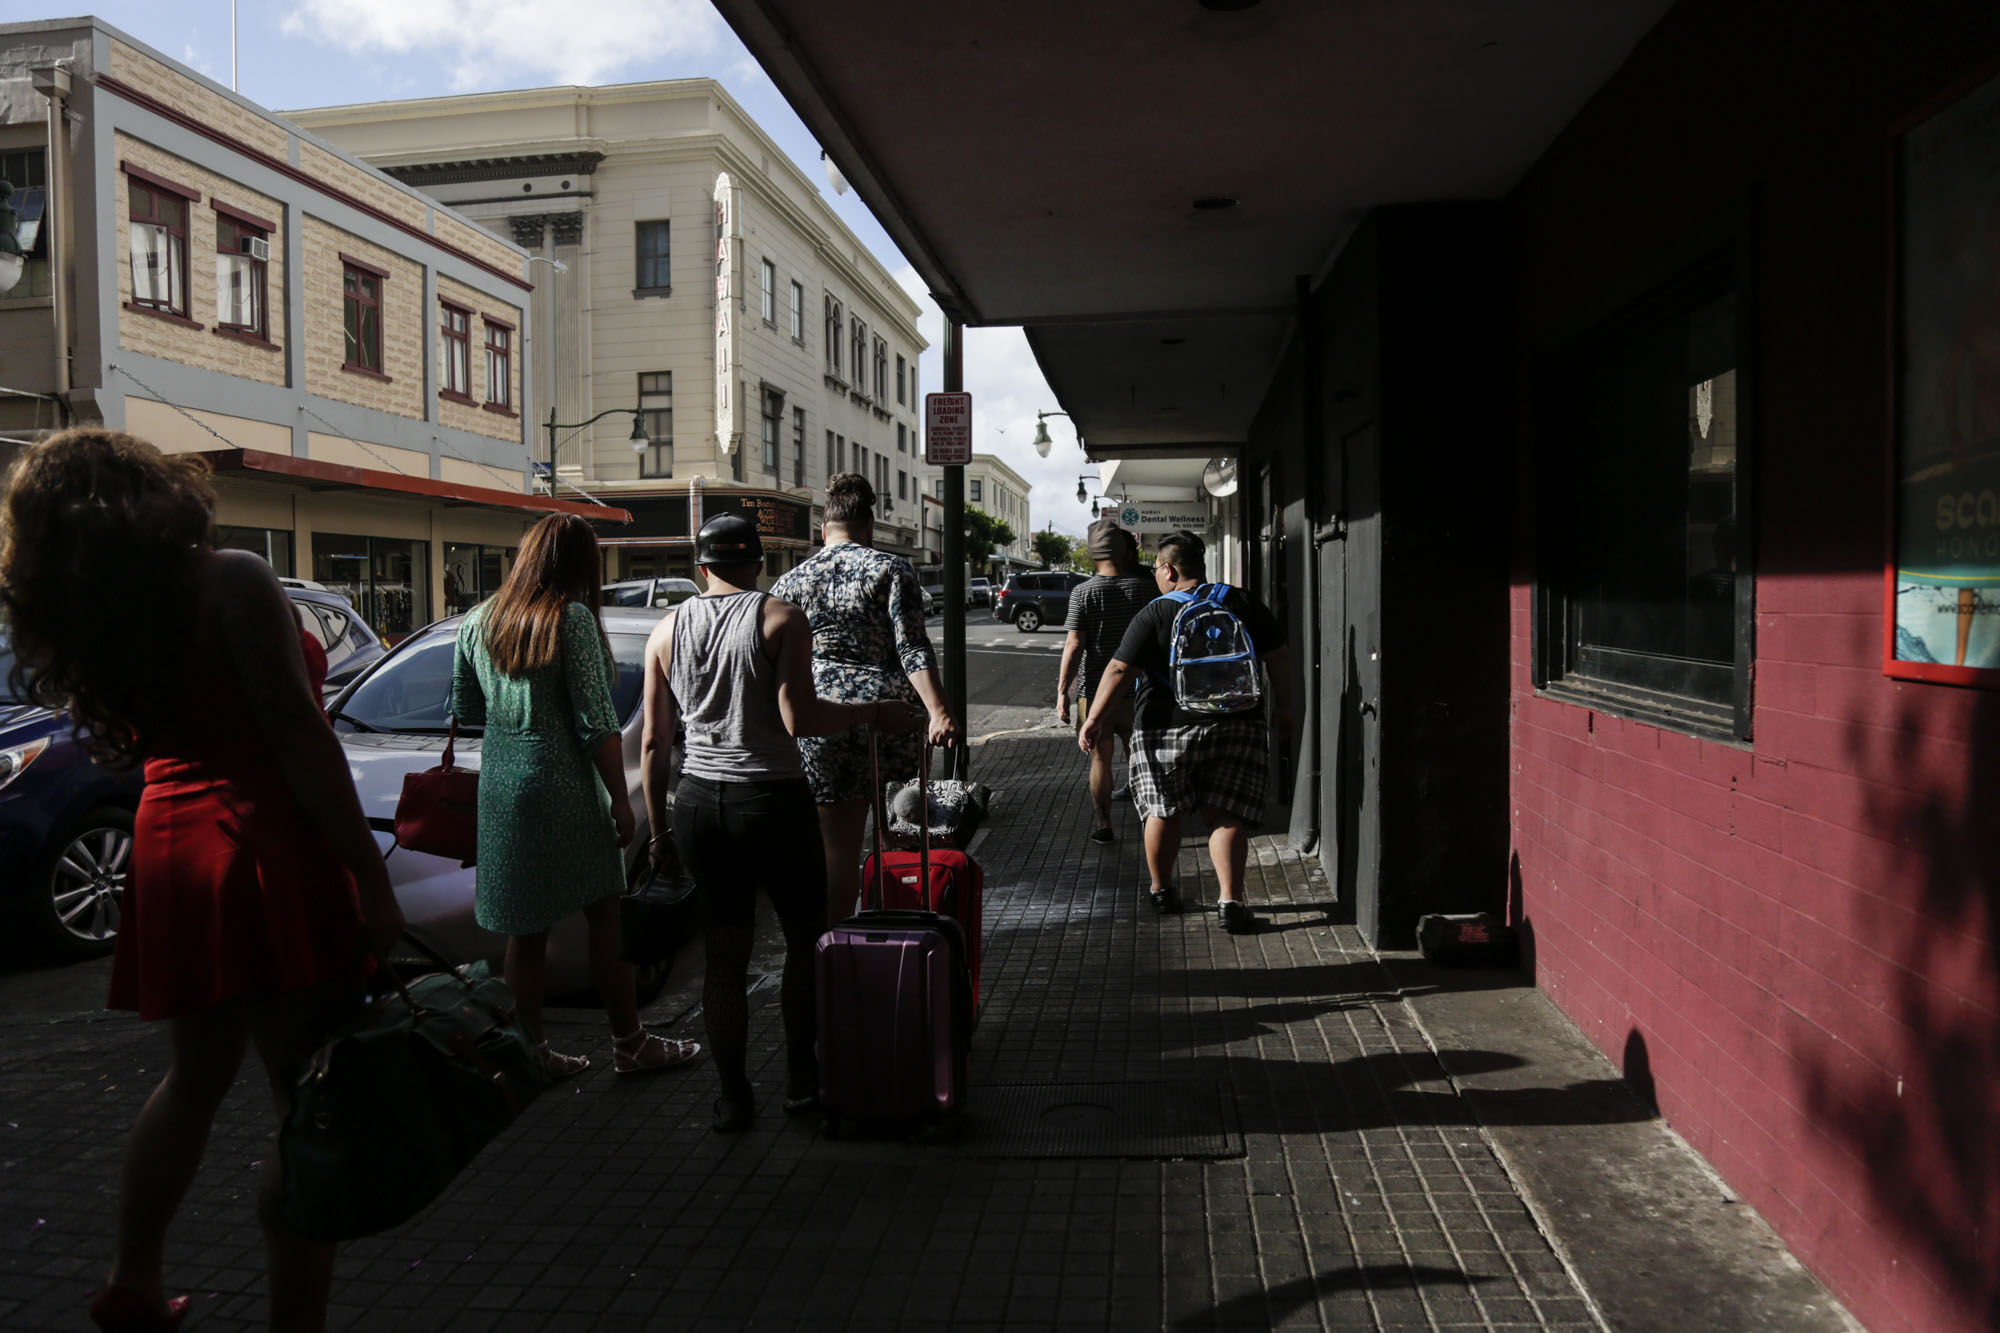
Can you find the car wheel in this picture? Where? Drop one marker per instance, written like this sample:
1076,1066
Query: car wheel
83,890
1028,621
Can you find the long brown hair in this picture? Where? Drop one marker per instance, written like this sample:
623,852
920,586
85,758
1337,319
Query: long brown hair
557,565
97,577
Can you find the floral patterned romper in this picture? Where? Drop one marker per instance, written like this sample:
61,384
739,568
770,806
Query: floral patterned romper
867,614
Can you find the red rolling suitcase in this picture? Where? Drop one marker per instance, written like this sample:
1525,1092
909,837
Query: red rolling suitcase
895,1011
941,879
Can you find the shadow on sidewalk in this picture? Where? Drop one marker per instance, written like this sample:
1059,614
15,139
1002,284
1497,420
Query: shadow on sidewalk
1374,1092
1252,1308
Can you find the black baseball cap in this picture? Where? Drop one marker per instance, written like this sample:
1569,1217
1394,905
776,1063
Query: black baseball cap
728,539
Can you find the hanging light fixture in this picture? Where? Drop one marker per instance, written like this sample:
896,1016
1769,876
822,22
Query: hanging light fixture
639,437
1042,439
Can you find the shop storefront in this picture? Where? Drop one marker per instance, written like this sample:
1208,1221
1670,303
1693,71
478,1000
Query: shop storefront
659,541
386,579
472,573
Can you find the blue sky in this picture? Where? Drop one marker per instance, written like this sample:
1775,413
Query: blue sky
300,53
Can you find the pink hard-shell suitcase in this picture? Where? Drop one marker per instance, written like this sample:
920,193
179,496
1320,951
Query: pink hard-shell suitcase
895,1015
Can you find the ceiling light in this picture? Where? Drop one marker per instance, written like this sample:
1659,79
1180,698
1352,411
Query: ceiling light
1214,203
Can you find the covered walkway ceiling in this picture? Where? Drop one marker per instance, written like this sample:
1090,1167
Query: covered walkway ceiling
1040,161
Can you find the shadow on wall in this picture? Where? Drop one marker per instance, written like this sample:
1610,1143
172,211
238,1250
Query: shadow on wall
1926,1130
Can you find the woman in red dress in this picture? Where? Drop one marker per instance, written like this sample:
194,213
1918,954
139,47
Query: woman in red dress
256,886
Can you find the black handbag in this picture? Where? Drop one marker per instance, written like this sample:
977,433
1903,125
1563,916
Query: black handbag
654,915
406,1091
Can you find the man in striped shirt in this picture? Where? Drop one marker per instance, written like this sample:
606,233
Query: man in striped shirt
1100,609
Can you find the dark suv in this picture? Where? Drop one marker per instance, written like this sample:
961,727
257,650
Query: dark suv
1031,601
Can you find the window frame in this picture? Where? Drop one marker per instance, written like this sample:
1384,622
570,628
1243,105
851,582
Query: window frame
972,491
455,339
799,314
768,274
770,415
858,346
836,329
798,446
881,346
157,189
650,459
1659,689
657,264
256,228
360,269
500,348
902,367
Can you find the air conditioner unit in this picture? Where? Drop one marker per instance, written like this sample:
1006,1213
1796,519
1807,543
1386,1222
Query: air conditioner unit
256,247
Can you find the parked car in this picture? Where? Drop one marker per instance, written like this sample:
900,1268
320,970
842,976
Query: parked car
66,820
392,722
1030,601
979,592
650,592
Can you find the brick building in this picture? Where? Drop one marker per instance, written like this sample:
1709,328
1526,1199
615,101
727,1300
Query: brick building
1617,407
345,351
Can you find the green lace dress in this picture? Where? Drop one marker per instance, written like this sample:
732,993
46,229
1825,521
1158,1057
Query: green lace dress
547,845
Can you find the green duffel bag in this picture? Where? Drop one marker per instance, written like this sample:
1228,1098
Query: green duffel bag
399,1098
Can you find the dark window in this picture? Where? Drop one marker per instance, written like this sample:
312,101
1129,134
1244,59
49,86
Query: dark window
833,330
798,446
654,273
774,407
159,245
832,465
770,296
902,485
881,371
499,365
1644,599
656,409
974,484
857,366
455,352
362,317
902,439
798,313
901,366
240,291
22,169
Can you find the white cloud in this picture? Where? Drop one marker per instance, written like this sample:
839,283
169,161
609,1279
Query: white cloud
1007,390
487,43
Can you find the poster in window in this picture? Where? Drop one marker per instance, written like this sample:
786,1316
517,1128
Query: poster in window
1944,574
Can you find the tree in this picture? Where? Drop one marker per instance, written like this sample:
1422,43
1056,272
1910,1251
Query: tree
984,534
1052,548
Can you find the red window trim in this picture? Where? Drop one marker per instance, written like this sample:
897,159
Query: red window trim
353,369
243,218
236,332
355,366
500,410
364,266
498,323
244,331
506,401
160,182
465,310
454,396
449,335
158,312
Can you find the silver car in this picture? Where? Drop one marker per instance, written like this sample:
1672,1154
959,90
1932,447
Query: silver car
650,592
392,722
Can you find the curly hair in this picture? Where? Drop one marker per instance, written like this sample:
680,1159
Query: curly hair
97,580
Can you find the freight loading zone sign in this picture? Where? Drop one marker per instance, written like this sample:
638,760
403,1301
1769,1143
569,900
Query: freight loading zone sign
947,429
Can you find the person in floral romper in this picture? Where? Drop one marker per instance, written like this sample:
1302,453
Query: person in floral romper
866,609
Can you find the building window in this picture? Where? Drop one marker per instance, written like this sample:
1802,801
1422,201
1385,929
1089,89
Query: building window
361,316
655,277
832,464
274,544
454,352
860,459
902,485
798,446
499,365
159,247
23,169
473,573
974,494
902,439
798,313
881,371
240,285
388,581
656,410
882,480
1643,602
858,345
774,407
770,276
900,370
840,453
833,330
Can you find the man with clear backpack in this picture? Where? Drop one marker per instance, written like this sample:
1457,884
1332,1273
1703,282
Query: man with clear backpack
1201,740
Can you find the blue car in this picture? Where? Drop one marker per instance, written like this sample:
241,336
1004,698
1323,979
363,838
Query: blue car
66,821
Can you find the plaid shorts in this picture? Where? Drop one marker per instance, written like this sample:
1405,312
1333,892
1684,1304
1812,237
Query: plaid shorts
1225,764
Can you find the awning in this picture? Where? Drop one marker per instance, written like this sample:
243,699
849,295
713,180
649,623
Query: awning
318,476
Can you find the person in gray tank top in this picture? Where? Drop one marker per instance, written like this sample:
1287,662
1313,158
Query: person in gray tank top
732,670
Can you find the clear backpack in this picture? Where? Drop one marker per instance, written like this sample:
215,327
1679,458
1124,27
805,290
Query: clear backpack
1210,656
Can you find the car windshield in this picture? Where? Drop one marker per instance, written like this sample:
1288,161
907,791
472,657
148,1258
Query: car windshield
407,693
626,594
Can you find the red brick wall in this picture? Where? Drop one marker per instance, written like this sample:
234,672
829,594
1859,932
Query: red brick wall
1795,942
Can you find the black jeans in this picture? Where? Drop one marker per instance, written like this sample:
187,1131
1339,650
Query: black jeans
735,837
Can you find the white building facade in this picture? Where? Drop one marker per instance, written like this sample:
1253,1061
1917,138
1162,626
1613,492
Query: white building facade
688,270
998,489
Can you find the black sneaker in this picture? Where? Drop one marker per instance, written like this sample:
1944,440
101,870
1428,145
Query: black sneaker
1165,901
1234,917
1101,834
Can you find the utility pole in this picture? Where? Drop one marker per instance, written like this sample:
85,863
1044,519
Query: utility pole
954,551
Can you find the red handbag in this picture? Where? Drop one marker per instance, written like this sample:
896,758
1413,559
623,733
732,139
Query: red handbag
438,814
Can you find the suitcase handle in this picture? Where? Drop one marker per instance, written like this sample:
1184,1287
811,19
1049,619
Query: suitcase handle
881,810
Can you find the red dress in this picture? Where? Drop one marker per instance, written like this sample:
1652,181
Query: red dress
232,890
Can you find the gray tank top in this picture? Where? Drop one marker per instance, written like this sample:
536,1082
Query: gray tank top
727,692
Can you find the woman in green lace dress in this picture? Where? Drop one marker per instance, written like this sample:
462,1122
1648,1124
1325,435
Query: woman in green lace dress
534,668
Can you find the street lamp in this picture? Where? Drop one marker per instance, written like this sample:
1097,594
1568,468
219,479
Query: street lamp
1042,440
12,261
639,437
1082,491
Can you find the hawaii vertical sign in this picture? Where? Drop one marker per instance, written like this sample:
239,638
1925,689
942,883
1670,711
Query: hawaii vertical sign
725,315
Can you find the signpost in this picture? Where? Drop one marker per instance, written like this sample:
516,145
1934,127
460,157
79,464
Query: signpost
947,429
